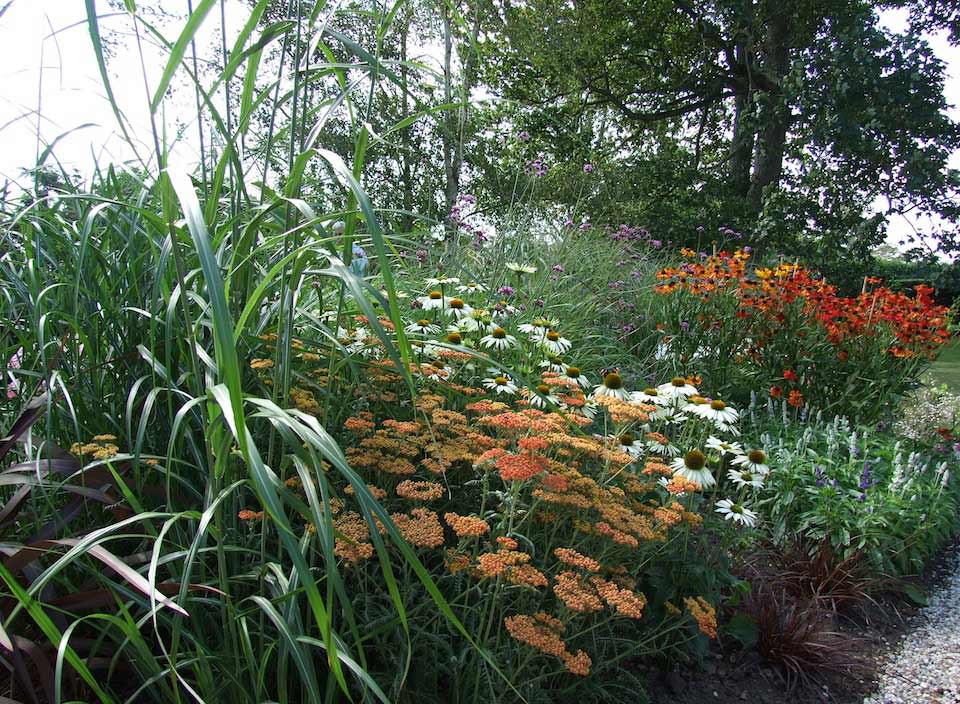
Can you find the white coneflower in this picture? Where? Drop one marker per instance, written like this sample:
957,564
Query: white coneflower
442,281
755,461
521,268
422,327
717,411
462,326
738,513
724,447
628,443
553,342
744,477
457,307
573,374
660,444
542,397
433,301
498,339
538,326
472,287
435,371
501,384
651,396
678,386
668,414
612,385
693,466
553,363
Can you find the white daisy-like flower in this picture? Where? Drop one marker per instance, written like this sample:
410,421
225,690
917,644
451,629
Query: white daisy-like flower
677,386
717,411
659,444
668,414
651,396
463,326
724,447
573,374
553,364
755,461
729,428
521,268
472,287
744,477
541,397
422,327
738,513
458,308
553,342
538,326
612,385
693,466
433,301
498,339
629,443
442,281
501,384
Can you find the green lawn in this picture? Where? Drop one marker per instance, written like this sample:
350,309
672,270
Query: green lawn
946,370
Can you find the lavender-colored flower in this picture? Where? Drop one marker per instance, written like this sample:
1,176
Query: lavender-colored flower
422,256
866,477
820,474
588,168
628,328
568,222
684,325
558,268
584,226
524,136
506,290
656,244
748,249
862,498
539,303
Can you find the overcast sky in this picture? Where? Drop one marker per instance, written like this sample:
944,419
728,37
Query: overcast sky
70,93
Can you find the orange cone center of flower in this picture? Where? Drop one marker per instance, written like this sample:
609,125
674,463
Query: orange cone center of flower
678,381
499,333
757,456
573,372
456,303
613,381
454,338
695,460
717,405
435,295
553,336
423,323
500,380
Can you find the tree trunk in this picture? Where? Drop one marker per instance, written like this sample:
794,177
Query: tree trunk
406,146
452,186
768,167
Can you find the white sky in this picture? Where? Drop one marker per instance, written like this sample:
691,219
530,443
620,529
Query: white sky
72,93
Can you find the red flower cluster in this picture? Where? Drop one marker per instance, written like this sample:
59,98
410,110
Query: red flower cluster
917,324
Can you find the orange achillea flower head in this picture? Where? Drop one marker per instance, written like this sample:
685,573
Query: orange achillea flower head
374,490
532,444
542,632
526,576
421,527
354,545
249,515
494,564
519,467
456,562
576,559
489,457
507,543
261,364
555,482
466,526
360,426
419,491
682,485
795,398
576,592
624,601
705,615
304,401
656,467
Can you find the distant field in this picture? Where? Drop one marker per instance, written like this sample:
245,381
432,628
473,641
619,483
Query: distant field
946,370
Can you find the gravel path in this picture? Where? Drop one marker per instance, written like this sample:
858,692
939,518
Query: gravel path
925,667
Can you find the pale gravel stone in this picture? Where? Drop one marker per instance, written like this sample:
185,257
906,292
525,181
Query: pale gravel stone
924,668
